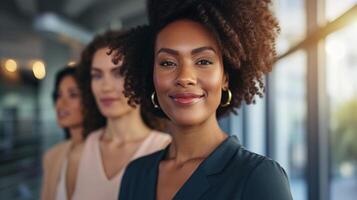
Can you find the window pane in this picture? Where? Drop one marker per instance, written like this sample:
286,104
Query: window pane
20,146
290,116
341,63
335,8
288,11
255,126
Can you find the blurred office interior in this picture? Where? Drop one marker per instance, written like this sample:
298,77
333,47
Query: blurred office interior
307,120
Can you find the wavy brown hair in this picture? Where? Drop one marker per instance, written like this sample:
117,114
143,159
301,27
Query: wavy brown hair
246,31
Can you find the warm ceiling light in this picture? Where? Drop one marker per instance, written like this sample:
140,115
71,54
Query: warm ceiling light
39,70
71,64
10,65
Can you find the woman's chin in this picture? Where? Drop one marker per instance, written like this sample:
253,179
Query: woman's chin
68,125
115,112
187,121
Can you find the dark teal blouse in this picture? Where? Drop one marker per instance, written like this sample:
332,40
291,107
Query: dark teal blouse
230,172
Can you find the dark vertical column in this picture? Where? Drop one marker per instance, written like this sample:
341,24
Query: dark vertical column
270,116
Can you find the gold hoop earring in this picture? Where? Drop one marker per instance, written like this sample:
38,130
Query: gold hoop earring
229,98
153,100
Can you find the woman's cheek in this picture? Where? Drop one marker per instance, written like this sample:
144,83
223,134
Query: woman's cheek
162,81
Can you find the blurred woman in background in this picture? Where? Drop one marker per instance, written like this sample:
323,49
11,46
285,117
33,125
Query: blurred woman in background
60,163
119,132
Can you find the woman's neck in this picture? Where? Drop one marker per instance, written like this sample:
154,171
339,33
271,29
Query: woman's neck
127,128
76,134
196,141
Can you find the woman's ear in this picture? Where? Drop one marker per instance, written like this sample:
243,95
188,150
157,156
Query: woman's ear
225,83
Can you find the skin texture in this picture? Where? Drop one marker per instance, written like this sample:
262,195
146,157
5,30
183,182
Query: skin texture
125,129
189,79
69,115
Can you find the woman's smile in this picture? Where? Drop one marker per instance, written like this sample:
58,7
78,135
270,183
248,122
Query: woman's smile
186,98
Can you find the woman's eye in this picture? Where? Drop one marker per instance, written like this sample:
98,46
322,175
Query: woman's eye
167,64
204,62
74,95
95,76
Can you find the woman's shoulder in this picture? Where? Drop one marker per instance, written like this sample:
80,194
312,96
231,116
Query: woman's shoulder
90,144
59,148
161,137
55,155
95,135
249,159
252,162
262,176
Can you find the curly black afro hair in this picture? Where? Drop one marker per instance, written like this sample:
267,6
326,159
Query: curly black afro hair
246,31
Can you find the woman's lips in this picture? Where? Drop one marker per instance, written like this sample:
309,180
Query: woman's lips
62,114
107,101
186,98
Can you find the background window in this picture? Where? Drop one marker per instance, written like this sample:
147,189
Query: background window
290,115
288,11
341,69
255,129
334,8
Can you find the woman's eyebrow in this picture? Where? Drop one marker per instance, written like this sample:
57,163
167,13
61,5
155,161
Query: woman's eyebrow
93,68
200,49
194,51
167,50
115,69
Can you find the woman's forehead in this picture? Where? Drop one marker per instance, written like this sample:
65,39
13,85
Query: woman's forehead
186,33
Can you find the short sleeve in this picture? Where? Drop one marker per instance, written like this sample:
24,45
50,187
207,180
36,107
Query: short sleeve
267,181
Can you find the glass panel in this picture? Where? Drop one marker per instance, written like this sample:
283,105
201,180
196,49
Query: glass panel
288,11
20,148
290,116
255,126
335,8
341,63
236,125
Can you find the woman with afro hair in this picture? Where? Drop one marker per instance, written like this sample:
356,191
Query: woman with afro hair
197,61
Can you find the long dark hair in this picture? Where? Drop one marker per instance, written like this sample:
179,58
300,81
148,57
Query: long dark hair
60,75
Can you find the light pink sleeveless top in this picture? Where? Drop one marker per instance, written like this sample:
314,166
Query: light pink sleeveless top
61,187
92,183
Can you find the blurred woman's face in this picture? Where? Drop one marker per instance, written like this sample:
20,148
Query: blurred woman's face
108,85
68,103
188,72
